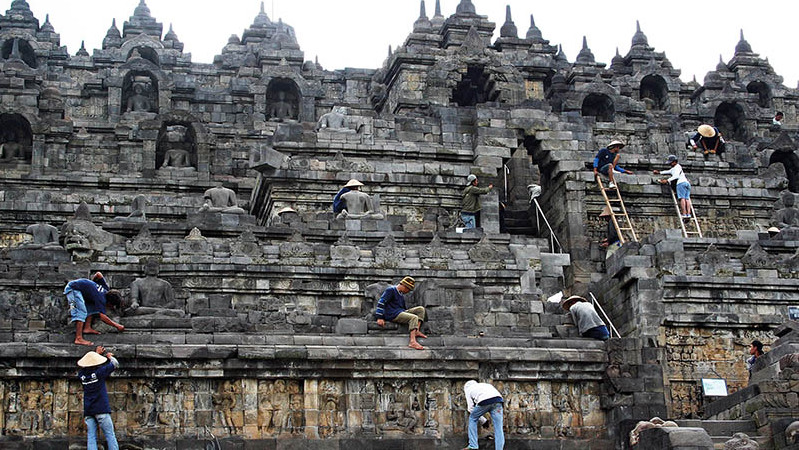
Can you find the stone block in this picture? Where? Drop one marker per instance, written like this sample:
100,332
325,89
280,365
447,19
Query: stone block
679,438
351,326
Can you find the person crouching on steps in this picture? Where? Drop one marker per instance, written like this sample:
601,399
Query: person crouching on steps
606,161
391,307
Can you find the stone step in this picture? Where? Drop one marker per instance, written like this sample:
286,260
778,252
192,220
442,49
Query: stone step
721,431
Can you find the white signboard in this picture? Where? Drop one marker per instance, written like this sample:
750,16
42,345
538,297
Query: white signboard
714,387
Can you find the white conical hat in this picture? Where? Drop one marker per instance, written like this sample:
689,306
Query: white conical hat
92,359
353,183
706,130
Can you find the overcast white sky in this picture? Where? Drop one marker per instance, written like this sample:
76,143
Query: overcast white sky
357,33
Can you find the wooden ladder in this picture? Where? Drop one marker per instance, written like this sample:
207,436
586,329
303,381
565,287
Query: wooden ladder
692,228
618,212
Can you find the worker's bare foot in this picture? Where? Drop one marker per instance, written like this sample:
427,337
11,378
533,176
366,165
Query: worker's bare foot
90,331
81,341
416,345
420,335
120,328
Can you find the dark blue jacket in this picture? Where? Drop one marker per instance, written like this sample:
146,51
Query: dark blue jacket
95,394
93,293
338,204
605,157
391,303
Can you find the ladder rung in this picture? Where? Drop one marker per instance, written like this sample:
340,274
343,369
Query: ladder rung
625,228
614,199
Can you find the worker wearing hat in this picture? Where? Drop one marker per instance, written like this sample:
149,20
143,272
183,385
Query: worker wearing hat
683,185
470,207
585,318
95,367
606,161
708,138
391,307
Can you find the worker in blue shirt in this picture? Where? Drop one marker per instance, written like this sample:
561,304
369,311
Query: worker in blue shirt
606,161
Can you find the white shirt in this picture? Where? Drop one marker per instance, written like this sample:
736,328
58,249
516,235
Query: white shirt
477,392
676,173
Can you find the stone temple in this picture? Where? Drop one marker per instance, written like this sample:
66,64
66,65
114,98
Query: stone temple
203,192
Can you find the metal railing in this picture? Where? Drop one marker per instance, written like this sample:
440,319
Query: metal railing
605,317
535,192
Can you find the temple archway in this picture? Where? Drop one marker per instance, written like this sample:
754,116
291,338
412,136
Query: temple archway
140,92
729,119
763,93
475,87
654,92
16,138
26,53
599,106
145,53
282,100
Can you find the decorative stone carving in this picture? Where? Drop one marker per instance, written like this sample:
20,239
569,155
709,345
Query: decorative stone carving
296,247
757,258
388,253
82,238
741,441
713,262
246,245
151,295
484,252
225,401
792,433
144,243
221,199
656,422
331,408
195,244
344,250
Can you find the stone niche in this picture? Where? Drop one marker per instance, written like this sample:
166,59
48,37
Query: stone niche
16,139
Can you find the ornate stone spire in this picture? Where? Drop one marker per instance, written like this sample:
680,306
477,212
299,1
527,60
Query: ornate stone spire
561,56
422,24
466,7
438,19
171,39
508,29
617,63
141,22
743,46
722,66
262,19
585,56
533,32
113,39
20,15
47,27
639,38
142,10
82,50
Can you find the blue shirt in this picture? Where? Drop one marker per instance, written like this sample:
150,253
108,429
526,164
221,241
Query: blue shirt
95,395
391,303
605,157
93,293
